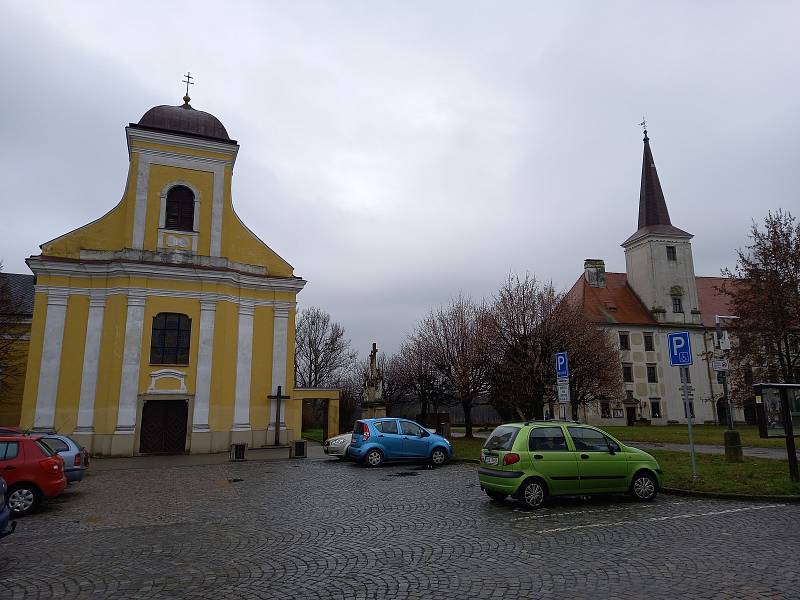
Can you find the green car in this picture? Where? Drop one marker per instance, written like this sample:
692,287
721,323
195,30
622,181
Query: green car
536,459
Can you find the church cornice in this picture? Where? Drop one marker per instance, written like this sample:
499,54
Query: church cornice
170,139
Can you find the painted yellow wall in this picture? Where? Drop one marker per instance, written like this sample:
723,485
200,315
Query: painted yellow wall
112,347
261,371
159,304
34,361
112,231
223,367
71,371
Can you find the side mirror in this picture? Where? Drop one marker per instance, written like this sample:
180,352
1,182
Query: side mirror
423,434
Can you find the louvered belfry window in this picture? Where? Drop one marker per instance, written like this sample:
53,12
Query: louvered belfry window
172,333
180,209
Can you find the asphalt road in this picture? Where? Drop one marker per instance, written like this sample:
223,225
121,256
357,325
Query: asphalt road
324,529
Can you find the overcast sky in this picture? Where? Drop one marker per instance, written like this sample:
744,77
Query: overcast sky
396,153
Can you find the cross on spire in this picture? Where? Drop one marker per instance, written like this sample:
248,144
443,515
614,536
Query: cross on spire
643,125
188,81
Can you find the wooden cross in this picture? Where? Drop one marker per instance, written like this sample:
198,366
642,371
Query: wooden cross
188,81
278,397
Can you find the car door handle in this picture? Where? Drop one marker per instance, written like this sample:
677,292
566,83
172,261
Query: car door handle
11,468
380,436
405,437
538,456
584,456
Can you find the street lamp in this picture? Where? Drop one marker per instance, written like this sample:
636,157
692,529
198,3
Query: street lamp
733,441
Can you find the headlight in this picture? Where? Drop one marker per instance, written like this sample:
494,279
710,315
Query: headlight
338,442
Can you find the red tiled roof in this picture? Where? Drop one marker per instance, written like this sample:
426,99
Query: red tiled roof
711,301
615,303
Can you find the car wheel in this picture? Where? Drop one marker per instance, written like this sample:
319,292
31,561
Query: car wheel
533,493
644,487
23,499
496,496
438,457
373,458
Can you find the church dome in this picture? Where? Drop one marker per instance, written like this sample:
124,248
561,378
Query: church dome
184,119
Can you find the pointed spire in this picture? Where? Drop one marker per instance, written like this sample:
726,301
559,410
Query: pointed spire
653,213
652,205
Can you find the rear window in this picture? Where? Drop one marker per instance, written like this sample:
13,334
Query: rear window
502,438
56,444
46,450
359,427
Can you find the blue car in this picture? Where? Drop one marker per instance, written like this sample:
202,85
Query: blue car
5,512
377,440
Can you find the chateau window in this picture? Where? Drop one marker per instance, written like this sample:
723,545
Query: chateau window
172,333
605,410
671,254
624,341
677,304
627,373
648,342
655,408
179,213
652,374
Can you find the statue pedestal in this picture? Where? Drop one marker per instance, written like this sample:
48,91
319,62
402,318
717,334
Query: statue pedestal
373,410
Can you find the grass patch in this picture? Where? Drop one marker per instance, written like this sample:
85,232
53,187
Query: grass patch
703,434
753,476
315,435
467,448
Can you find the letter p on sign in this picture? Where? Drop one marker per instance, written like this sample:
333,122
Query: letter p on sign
680,349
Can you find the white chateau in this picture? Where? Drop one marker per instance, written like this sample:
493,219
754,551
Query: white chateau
658,293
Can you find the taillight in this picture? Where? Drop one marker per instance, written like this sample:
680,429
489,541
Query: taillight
51,464
366,433
78,459
511,458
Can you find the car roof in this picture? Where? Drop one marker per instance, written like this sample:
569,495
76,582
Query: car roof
14,437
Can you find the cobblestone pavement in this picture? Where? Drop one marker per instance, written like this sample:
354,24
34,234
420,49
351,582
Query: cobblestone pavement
324,529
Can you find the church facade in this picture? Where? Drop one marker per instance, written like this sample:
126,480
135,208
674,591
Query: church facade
166,324
659,293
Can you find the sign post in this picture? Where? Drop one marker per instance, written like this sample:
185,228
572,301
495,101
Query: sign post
680,355
562,376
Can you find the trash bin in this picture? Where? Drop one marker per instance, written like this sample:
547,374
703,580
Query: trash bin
297,449
238,451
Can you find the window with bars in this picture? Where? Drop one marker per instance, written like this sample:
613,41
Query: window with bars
655,408
652,374
671,254
179,214
627,373
624,341
169,345
677,304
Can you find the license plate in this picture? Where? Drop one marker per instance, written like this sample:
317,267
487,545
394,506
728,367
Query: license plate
490,460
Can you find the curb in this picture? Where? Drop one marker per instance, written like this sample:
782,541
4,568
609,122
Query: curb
729,496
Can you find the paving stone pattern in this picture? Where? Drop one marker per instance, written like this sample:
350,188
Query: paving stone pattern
324,529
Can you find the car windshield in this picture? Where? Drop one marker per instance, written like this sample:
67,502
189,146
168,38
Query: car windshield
502,438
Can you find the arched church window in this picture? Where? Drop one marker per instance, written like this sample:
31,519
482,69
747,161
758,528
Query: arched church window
180,209
169,344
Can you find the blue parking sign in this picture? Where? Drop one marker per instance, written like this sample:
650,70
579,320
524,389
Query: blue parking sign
562,367
680,349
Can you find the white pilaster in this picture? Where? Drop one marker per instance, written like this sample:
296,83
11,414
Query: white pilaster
91,358
205,354
129,386
140,207
280,340
216,210
44,418
244,363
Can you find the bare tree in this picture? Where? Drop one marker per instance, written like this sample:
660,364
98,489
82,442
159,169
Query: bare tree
595,369
523,342
453,338
322,352
12,352
764,292
423,382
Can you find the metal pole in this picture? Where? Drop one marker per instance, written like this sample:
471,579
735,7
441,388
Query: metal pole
788,428
727,399
278,417
686,406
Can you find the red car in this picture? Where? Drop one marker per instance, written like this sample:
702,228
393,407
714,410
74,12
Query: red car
32,471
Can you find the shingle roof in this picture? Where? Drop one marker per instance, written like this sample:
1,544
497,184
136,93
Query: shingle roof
19,288
711,301
653,213
614,303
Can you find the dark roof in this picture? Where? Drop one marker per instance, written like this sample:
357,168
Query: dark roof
653,213
19,288
185,120
711,301
614,303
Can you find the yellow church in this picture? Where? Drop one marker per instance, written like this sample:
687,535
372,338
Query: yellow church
166,324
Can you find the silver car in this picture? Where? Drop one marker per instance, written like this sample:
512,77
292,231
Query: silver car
76,457
337,445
